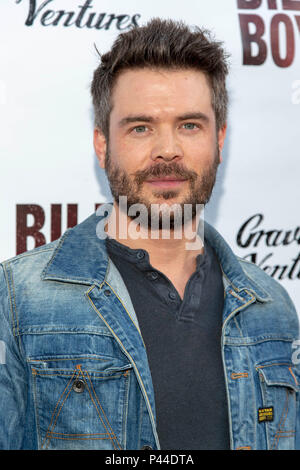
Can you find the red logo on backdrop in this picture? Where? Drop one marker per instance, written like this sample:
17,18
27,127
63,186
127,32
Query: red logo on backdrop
35,230
260,39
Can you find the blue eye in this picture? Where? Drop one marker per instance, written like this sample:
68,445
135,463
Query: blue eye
139,129
190,126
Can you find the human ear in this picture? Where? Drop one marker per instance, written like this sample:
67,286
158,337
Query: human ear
221,139
100,146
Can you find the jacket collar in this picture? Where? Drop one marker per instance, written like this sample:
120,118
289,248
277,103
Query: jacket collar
233,273
81,257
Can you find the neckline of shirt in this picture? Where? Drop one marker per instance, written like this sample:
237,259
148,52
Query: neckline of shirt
140,257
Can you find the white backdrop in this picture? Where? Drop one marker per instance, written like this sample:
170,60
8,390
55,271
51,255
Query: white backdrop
48,166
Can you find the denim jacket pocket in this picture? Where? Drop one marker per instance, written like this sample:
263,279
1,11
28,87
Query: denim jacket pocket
279,387
80,402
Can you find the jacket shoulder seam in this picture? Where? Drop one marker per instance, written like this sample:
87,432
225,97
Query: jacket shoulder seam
11,295
26,254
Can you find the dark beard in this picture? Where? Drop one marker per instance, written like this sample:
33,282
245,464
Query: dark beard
200,188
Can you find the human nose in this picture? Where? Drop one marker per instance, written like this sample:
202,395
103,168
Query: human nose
166,147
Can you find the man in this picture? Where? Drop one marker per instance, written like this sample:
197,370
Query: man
117,337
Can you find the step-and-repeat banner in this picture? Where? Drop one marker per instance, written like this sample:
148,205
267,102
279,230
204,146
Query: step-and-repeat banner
50,178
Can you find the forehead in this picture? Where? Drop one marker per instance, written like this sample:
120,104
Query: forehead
161,90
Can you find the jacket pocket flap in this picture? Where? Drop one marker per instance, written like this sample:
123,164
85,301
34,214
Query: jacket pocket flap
279,374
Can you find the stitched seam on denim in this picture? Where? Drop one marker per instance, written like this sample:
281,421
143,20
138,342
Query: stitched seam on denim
264,299
53,435
245,287
236,295
252,383
80,434
244,448
99,414
130,358
140,416
228,280
230,341
48,436
55,359
125,408
16,312
91,396
74,280
52,417
274,364
82,438
107,421
125,309
10,299
98,312
293,375
239,375
285,384
242,307
265,402
238,327
250,301
280,437
228,395
27,254
105,282
286,432
9,283
71,332
282,421
39,436
69,374
59,281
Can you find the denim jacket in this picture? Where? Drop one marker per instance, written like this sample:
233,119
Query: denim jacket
73,367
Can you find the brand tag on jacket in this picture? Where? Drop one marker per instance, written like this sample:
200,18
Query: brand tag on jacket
265,414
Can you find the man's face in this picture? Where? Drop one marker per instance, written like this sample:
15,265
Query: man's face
163,146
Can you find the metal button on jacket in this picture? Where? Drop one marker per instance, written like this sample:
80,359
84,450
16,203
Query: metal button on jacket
78,386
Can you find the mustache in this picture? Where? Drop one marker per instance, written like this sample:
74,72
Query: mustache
165,169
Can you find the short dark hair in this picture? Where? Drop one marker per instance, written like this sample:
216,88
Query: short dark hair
160,44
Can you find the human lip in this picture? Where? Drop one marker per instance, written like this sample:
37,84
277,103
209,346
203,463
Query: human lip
166,181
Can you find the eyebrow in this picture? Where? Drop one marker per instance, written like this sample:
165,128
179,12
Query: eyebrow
145,118
138,118
197,115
